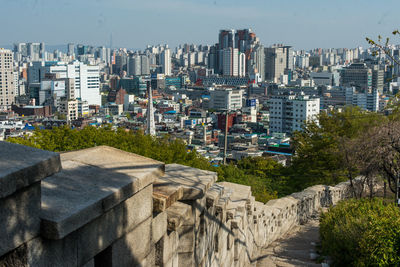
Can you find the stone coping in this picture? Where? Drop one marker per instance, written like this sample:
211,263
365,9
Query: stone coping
181,183
21,166
92,181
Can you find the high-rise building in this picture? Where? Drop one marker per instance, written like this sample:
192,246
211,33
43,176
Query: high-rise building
357,75
246,42
138,65
35,51
71,50
165,62
86,78
287,113
134,65
230,62
7,86
276,62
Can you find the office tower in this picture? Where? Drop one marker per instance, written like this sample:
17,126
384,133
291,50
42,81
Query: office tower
71,50
121,60
357,75
165,62
82,50
145,66
7,86
86,79
275,62
134,65
289,112
226,99
151,127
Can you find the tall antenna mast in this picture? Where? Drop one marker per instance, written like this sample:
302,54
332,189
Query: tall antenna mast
151,127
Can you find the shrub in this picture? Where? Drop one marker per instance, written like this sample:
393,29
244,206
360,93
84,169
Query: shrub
362,233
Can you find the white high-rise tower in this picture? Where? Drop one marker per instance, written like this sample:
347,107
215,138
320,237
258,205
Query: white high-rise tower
151,126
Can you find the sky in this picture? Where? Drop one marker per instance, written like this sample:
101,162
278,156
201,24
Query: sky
304,24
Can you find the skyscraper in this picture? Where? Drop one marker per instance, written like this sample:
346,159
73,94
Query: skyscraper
276,61
165,61
7,86
71,50
230,62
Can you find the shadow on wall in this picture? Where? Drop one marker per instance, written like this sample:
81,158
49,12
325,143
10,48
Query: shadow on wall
111,226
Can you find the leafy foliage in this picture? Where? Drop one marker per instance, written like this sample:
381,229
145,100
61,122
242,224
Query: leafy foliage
257,173
362,233
319,152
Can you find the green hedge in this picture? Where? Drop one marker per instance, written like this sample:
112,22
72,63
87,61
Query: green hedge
362,233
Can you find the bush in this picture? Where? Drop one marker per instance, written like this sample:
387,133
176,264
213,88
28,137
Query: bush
362,233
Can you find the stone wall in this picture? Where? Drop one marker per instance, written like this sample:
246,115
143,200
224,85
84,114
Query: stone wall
105,207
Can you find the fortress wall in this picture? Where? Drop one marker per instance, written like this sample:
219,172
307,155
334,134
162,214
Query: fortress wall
105,207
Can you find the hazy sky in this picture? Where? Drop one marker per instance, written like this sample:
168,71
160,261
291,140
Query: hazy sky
305,24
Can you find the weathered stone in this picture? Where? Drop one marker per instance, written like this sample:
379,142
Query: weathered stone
112,225
186,238
194,182
47,253
165,195
177,214
132,248
19,217
186,259
159,226
21,166
84,191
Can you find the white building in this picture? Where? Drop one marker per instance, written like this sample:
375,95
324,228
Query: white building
7,80
165,61
222,99
86,77
289,112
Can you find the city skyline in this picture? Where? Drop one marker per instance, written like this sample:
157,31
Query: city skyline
325,25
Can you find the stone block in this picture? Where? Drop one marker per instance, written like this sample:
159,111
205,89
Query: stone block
48,253
186,259
177,214
83,191
166,249
149,261
19,217
165,195
194,182
159,226
133,247
186,238
112,225
21,166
